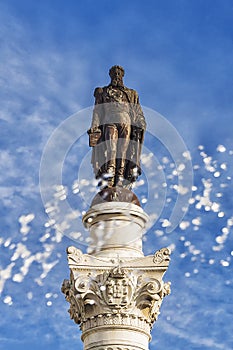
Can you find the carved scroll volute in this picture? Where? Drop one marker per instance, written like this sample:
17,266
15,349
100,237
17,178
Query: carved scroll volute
74,256
162,256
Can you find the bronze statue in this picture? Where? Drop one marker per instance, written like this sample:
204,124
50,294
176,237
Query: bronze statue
116,133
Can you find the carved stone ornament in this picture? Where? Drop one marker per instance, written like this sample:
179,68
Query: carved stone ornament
162,255
103,291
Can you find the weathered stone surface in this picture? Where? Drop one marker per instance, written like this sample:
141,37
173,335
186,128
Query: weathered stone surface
104,292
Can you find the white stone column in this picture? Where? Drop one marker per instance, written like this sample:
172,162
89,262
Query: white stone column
115,292
116,228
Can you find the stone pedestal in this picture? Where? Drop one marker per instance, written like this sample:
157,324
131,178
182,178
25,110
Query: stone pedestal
116,228
115,292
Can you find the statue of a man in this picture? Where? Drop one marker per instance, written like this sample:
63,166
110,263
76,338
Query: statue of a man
117,132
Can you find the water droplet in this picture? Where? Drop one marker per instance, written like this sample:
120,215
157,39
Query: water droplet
221,148
217,174
184,225
159,233
8,300
196,221
219,239
223,166
48,295
166,223
230,222
224,263
225,230
181,167
29,295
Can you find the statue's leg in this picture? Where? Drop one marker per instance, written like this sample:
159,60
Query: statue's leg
111,137
122,146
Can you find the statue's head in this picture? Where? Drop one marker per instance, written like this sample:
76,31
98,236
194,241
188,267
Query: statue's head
116,74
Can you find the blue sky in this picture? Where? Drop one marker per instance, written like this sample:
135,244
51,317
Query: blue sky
178,55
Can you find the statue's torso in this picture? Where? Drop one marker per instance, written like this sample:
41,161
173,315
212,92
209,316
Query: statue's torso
116,105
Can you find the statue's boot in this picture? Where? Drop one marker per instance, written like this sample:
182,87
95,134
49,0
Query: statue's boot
110,173
120,170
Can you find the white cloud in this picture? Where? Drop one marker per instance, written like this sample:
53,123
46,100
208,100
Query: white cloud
194,339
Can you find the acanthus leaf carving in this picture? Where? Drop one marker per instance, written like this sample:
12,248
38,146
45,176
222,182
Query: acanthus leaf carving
115,291
75,309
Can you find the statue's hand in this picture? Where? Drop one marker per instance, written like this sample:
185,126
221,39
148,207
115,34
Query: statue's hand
136,133
94,136
94,129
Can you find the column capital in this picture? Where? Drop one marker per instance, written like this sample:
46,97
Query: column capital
105,292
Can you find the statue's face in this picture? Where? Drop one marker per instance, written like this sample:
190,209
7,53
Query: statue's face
117,77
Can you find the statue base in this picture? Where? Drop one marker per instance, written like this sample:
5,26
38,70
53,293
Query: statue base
115,194
116,229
